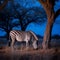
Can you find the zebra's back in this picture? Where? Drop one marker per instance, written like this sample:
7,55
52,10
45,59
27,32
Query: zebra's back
20,35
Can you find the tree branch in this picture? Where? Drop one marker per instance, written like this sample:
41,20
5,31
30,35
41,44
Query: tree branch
57,13
3,5
3,27
42,1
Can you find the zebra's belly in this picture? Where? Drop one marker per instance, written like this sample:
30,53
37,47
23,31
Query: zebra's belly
25,37
18,38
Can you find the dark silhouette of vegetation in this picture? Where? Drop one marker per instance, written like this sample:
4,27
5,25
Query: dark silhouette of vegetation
6,22
57,37
24,15
3,4
30,15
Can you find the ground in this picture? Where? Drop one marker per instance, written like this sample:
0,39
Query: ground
6,53
20,52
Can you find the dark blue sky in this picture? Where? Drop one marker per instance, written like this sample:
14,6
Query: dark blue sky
39,29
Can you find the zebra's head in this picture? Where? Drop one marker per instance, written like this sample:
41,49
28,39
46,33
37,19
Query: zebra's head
35,44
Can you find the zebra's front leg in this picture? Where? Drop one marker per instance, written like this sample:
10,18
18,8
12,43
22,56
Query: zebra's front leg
27,45
12,44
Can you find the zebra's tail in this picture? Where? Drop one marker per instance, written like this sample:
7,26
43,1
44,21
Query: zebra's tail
34,35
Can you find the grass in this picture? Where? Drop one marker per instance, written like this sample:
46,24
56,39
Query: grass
30,54
20,53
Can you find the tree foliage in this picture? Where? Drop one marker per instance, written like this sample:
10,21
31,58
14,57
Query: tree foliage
3,4
25,16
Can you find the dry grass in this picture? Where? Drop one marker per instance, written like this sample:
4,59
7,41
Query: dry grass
30,54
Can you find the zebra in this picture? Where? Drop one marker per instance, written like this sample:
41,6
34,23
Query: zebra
23,36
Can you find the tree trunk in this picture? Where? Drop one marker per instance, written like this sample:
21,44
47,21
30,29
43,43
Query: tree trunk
8,38
47,35
23,28
48,6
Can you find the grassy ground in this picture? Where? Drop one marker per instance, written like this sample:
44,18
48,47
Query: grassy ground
6,53
20,53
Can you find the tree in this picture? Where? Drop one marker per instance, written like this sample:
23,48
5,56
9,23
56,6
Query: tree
48,6
3,4
6,22
28,15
